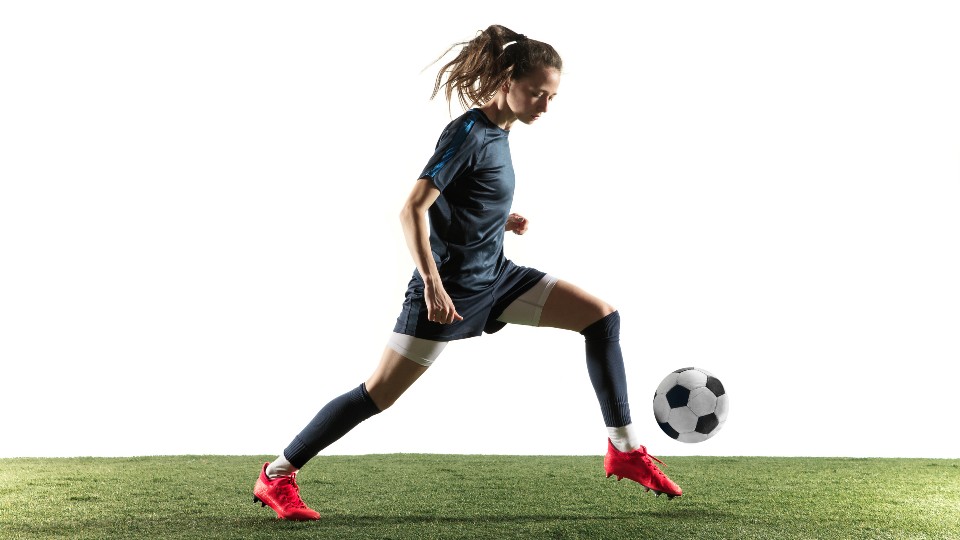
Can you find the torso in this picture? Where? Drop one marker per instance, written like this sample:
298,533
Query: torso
473,169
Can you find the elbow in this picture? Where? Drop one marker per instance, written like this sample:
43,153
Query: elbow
415,207
406,213
409,215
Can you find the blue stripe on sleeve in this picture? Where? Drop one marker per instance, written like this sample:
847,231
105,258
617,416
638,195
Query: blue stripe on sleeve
453,148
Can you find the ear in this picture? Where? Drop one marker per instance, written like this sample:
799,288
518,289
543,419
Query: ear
505,87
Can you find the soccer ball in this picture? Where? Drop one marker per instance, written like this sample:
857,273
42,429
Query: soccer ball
690,405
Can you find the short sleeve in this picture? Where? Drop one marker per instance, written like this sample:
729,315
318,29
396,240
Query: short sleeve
456,152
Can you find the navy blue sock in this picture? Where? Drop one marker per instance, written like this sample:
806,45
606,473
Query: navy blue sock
332,422
605,365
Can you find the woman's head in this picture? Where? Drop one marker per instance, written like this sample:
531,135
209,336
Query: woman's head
496,56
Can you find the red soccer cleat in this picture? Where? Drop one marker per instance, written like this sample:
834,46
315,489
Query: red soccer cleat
283,495
637,466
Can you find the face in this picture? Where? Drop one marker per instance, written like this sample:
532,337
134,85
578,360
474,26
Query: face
530,96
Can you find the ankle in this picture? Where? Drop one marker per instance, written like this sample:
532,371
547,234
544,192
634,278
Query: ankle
624,438
280,467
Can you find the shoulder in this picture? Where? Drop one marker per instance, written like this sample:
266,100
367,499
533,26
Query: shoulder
468,122
468,130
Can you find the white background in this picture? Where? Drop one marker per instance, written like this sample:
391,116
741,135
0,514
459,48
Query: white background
200,244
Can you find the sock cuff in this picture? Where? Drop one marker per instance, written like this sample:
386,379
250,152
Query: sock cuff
606,329
294,453
616,412
367,400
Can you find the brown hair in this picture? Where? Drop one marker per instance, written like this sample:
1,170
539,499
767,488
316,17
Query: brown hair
488,60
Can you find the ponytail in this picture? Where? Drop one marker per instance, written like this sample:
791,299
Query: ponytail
487,61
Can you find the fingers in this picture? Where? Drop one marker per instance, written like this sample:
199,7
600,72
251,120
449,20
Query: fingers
517,223
446,318
442,315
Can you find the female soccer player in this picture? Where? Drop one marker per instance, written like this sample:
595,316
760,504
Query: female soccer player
463,285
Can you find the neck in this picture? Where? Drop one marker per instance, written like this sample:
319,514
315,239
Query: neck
497,111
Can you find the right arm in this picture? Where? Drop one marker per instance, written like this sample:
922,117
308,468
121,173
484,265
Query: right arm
416,230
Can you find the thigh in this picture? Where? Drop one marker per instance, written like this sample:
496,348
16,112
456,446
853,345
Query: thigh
526,309
420,350
572,308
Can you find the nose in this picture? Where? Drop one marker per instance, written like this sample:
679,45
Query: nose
544,105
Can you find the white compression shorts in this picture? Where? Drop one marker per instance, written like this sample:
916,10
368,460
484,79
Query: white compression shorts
525,310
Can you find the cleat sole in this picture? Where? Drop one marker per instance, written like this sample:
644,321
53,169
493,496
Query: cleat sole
645,489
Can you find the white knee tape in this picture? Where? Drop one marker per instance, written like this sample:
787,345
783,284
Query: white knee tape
419,350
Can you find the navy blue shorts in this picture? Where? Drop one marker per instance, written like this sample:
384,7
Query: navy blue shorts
479,311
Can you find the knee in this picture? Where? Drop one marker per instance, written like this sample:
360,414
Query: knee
381,397
595,312
606,328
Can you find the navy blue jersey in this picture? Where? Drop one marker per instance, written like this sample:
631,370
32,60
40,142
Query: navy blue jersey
471,167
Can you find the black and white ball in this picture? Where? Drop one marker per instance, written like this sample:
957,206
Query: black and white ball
690,405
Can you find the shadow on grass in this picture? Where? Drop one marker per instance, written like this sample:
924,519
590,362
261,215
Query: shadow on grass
199,526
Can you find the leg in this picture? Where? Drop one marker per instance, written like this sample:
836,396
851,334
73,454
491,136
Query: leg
572,308
393,376
276,487
389,381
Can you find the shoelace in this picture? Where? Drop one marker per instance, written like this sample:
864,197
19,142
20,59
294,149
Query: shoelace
644,455
289,492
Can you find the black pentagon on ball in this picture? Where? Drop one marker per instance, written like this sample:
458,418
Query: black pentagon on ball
707,423
678,396
672,433
681,370
715,386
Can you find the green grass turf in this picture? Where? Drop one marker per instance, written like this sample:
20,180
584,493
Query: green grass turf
475,497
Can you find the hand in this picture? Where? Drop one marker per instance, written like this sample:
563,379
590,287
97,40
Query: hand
517,224
440,307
